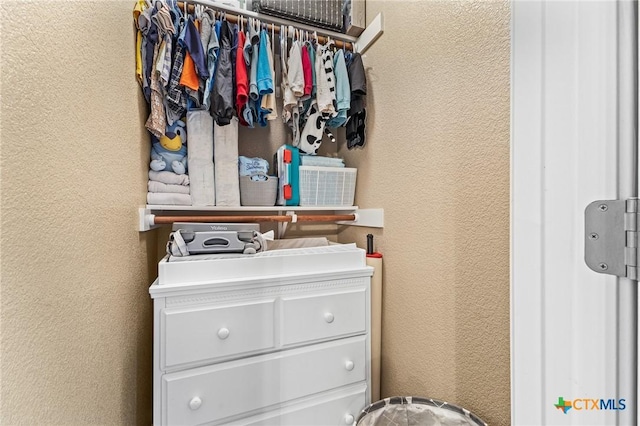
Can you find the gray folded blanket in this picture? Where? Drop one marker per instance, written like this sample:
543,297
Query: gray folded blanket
155,186
168,199
168,177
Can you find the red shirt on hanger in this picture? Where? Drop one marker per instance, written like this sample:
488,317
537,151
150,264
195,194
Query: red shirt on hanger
242,81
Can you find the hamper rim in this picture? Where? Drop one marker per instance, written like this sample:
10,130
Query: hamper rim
407,400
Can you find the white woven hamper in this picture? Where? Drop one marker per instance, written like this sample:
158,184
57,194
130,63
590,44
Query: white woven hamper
327,186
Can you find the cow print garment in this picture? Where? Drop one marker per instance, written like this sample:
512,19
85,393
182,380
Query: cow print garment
324,107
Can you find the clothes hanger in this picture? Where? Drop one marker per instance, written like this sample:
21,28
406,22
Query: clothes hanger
273,45
283,43
199,9
173,8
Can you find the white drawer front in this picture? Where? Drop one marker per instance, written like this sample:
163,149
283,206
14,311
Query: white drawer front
208,333
337,409
209,394
317,317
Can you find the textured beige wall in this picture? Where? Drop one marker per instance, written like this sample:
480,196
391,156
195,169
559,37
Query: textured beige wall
437,161
76,315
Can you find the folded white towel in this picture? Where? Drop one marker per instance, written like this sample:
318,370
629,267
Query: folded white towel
155,186
168,177
316,160
168,199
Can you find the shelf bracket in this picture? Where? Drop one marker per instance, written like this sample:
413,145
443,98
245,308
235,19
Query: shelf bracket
370,34
371,218
146,220
282,226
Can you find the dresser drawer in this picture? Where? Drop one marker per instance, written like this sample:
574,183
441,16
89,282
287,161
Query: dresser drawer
333,408
212,393
308,318
208,333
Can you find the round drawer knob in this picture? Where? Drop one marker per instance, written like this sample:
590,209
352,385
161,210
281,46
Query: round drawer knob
195,403
223,333
349,365
348,419
328,317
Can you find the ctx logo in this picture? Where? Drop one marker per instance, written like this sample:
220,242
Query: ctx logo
590,404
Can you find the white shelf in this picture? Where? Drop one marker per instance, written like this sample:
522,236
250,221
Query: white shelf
249,208
372,218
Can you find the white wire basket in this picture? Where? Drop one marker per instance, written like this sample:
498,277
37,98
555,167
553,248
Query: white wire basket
327,186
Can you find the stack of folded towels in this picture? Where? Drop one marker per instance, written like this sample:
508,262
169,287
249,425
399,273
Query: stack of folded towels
319,161
168,188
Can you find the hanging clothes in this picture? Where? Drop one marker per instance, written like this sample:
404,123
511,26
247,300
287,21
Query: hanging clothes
156,123
166,30
137,11
264,79
343,91
269,101
195,66
295,71
357,114
212,56
189,77
289,102
306,105
307,74
184,61
222,97
149,32
206,28
175,100
312,60
242,80
326,82
253,77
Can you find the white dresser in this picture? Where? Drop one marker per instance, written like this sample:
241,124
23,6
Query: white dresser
278,338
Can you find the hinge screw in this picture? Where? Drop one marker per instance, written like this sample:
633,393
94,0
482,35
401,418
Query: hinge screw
593,236
603,266
603,207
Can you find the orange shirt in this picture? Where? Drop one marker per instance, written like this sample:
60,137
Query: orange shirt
189,78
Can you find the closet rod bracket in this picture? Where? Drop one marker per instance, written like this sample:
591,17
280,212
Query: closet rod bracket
370,218
146,220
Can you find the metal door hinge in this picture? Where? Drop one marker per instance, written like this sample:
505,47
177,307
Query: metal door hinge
611,237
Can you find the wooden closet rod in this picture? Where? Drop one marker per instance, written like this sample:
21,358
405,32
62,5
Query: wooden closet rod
163,220
340,44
